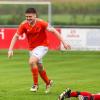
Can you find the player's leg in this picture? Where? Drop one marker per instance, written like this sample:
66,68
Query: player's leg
81,97
42,52
43,73
76,93
96,96
68,93
84,95
35,56
65,94
39,52
45,78
34,69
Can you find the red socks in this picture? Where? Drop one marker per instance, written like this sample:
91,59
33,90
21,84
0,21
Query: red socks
75,94
44,77
96,96
85,94
35,75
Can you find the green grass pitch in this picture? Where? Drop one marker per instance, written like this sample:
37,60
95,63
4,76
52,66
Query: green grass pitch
74,69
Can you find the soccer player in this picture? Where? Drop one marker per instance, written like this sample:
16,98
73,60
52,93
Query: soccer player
35,30
84,95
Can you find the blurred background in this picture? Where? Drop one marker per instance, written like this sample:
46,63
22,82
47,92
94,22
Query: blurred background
63,12
78,21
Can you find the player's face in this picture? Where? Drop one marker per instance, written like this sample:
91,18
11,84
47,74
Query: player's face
30,17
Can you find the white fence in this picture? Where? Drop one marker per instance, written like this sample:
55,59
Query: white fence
82,38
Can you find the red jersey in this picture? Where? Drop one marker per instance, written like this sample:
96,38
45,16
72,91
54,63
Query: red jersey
36,34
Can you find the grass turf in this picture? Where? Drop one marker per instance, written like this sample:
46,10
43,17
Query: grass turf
76,70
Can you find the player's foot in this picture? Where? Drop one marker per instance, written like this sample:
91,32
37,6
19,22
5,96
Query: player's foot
34,88
80,97
61,97
65,94
48,87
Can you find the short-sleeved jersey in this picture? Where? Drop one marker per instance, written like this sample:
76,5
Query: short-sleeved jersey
36,34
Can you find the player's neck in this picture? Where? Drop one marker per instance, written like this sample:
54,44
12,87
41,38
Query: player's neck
33,23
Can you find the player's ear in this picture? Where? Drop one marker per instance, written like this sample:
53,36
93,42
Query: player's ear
35,16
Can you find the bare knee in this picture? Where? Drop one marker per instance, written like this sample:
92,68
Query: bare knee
33,61
40,67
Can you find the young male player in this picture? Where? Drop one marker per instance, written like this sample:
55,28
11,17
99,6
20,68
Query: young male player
35,30
84,95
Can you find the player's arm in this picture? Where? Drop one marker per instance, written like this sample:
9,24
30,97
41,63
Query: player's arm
54,31
13,41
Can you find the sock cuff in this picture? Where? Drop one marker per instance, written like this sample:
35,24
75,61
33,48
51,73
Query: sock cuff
35,69
78,93
42,72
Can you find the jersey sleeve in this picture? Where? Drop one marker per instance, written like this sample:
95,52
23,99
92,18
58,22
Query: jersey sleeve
20,29
44,24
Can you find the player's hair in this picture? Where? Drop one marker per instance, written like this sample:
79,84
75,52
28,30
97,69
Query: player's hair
31,10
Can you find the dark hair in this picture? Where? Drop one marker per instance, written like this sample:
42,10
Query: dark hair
31,10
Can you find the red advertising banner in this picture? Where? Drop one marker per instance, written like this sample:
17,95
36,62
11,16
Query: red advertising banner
6,35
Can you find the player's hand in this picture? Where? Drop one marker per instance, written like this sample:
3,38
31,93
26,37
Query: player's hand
66,46
10,53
